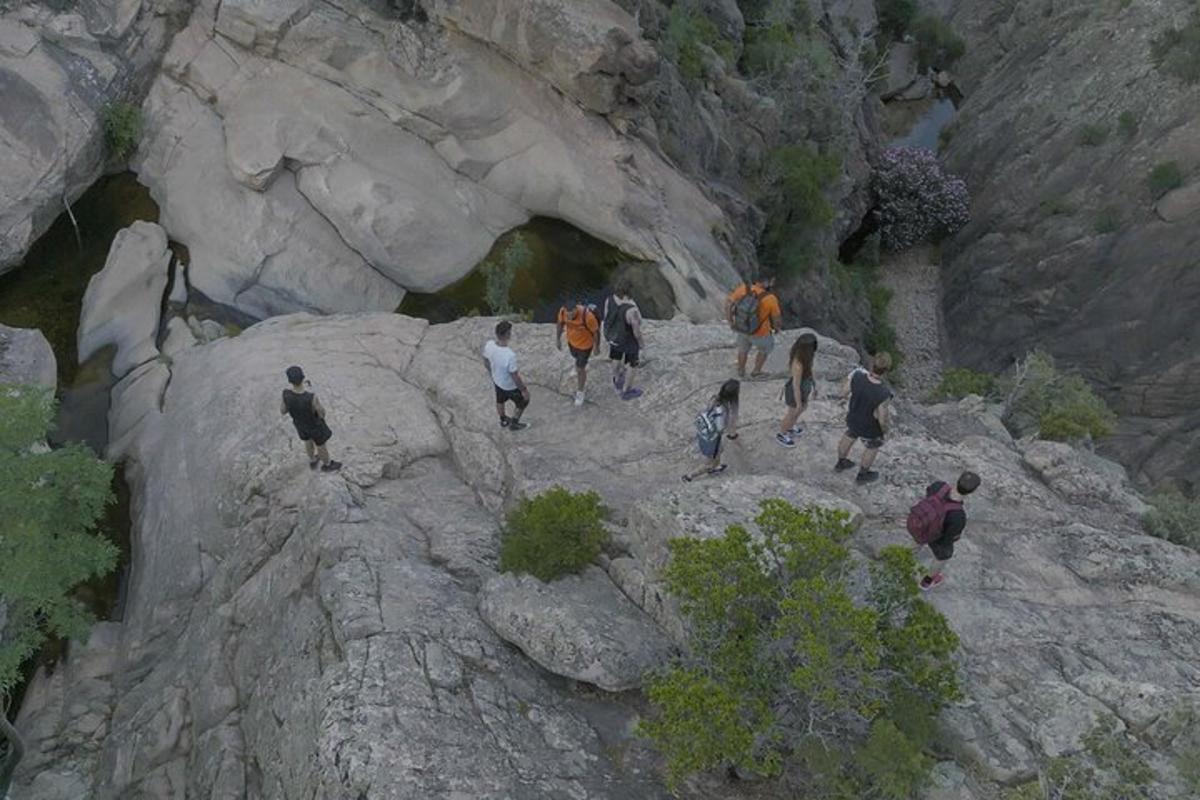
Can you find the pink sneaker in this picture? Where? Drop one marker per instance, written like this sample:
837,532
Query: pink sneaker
930,581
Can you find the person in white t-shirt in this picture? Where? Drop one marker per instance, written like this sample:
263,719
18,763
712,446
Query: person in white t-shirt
501,363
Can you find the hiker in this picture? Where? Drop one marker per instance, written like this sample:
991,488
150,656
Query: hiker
623,331
754,314
583,340
717,421
798,388
867,417
938,520
308,415
501,364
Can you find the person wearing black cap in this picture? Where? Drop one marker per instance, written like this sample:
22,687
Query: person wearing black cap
308,415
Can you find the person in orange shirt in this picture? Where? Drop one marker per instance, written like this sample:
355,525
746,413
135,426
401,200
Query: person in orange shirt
754,314
583,339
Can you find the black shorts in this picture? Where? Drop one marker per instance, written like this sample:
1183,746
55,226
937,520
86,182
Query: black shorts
871,442
581,356
943,549
318,435
806,389
627,354
504,395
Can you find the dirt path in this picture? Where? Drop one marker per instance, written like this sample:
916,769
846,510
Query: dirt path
916,314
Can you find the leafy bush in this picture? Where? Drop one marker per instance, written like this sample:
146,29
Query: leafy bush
1110,767
896,17
688,32
499,275
1175,518
1059,406
1176,51
793,673
881,334
1108,220
122,129
50,502
917,199
1165,177
959,382
1127,125
937,43
798,177
1093,134
556,533
769,50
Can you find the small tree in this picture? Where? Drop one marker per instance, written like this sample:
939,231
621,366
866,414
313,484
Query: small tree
788,674
1175,518
917,199
1164,177
499,275
122,128
938,46
1056,405
689,31
798,177
50,501
1176,51
554,534
896,16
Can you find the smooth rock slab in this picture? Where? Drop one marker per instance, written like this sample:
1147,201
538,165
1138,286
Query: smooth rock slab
580,626
26,358
123,301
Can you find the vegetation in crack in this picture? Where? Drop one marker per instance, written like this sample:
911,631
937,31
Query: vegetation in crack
802,665
1174,517
556,533
499,274
1176,51
122,129
794,193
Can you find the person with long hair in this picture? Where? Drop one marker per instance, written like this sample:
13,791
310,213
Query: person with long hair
717,421
798,388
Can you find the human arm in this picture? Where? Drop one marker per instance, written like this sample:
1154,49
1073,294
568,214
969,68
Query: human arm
521,387
634,318
558,332
283,405
731,421
318,409
883,415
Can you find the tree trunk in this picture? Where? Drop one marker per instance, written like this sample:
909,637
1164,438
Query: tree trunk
16,750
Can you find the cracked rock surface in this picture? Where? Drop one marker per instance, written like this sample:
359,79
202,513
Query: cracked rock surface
296,634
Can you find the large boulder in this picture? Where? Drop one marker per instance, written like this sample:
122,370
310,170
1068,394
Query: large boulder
579,626
123,301
26,358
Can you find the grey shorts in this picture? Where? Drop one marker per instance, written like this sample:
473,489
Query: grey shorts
763,344
870,442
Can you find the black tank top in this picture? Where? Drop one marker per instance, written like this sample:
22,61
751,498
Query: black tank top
300,407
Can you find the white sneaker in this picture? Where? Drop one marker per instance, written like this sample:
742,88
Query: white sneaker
579,398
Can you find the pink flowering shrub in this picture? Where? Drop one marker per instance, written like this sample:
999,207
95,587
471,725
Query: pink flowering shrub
917,199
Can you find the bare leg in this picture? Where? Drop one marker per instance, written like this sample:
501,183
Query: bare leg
712,464
741,362
789,419
323,454
500,410
760,358
619,376
580,377
311,449
844,446
869,458
629,373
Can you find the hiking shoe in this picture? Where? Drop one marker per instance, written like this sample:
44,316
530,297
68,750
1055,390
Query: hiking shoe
785,439
504,422
579,396
515,426
867,476
631,394
313,464
618,382
332,466
797,430
717,470
843,464
686,478
930,581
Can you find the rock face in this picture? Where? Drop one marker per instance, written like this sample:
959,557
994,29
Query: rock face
58,69
316,159
294,634
123,301
26,358
1046,268
580,626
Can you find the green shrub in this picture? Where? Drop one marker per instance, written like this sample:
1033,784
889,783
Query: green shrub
1175,518
1111,766
50,503
556,533
688,32
881,334
959,382
937,43
122,129
794,673
798,178
499,275
1059,406
1093,134
1056,205
1108,220
1165,177
1176,51
1127,125
896,17
769,50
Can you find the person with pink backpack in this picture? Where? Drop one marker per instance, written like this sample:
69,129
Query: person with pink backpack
938,520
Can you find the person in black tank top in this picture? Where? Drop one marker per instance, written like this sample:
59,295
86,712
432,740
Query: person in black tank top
308,415
866,417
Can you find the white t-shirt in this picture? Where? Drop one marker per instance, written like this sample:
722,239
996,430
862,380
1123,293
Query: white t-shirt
504,364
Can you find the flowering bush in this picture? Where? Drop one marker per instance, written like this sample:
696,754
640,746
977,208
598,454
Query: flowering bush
917,199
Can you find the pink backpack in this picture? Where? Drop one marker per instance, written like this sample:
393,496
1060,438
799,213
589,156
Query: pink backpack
925,519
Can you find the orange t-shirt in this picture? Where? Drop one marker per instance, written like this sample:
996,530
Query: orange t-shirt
581,328
768,306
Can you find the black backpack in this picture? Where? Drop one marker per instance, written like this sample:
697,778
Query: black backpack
616,326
